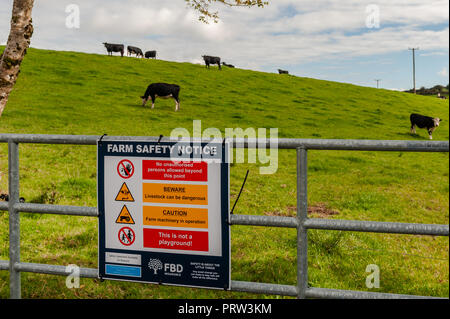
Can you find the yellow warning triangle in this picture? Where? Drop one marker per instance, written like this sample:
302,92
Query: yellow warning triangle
124,194
124,216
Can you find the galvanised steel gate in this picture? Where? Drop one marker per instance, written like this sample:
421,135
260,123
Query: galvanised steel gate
301,222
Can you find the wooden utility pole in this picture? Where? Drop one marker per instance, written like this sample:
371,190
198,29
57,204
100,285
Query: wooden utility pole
378,80
414,66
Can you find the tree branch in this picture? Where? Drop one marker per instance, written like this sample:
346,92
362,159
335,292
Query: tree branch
203,7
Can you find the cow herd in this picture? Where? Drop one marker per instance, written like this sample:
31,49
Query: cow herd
111,47
132,50
165,90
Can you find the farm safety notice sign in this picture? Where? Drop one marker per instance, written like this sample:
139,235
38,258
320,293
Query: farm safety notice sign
164,212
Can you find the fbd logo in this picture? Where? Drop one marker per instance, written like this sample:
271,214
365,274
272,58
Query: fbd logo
156,265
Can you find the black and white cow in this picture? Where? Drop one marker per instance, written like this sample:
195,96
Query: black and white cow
282,71
211,60
162,90
135,50
111,47
426,122
150,54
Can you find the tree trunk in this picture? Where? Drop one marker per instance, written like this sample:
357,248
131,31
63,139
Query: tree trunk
16,48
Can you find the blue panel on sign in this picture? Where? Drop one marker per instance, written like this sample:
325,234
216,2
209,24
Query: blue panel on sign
126,271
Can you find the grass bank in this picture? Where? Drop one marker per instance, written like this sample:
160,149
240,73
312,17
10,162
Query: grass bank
75,93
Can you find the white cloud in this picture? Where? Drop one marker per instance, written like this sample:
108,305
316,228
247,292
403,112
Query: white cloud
443,72
286,29
287,32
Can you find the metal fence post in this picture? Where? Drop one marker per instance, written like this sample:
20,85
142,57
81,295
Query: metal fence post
14,220
302,215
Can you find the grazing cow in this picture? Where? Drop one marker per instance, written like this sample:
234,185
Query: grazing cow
110,47
422,121
134,50
211,60
228,65
282,71
150,54
162,90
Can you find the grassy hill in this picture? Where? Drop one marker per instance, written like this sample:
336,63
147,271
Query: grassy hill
75,93
74,88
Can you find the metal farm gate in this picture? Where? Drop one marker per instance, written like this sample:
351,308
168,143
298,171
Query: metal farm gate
301,222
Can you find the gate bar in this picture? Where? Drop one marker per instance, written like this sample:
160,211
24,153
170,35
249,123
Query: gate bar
281,143
264,288
326,293
57,209
14,220
378,227
302,216
241,286
4,264
266,221
4,206
54,269
257,220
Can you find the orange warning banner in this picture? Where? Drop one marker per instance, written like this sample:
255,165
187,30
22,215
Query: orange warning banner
175,217
175,193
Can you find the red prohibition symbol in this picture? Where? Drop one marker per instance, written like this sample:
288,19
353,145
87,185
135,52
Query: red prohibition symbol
125,168
126,236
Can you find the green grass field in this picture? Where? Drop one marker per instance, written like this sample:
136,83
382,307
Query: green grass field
75,93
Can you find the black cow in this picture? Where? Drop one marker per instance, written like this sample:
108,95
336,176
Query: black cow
228,65
282,71
162,90
211,60
150,54
5,197
422,121
134,50
110,47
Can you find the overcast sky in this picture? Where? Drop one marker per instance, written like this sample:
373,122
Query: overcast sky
337,40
